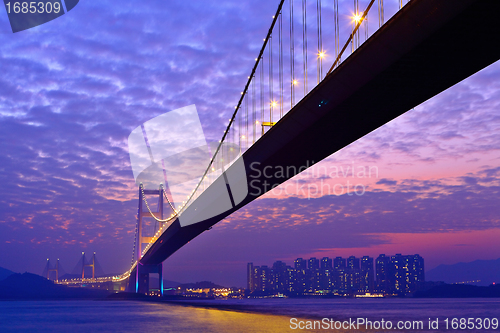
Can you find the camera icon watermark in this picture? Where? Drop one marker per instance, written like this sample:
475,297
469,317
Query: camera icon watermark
203,179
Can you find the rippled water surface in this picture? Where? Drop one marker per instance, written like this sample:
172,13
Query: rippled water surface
248,315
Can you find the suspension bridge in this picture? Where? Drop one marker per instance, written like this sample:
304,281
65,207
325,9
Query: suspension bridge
322,79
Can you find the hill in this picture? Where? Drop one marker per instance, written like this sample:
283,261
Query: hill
153,283
459,291
5,273
31,286
486,271
200,285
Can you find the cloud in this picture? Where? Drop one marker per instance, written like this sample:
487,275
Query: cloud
387,182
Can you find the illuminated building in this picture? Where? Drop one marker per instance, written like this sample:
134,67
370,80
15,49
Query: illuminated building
250,275
367,274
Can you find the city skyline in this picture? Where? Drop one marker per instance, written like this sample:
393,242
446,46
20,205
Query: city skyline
399,275
67,184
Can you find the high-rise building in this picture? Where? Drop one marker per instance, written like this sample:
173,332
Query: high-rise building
250,284
313,275
339,262
256,279
352,275
313,263
415,272
300,275
300,263
279,276
291,277
382,273
367,274
352,278
326,279
339,274
353,262
265,278
326,263
397,274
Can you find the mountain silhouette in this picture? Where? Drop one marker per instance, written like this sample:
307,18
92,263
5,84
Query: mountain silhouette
5,273
484,272
32,286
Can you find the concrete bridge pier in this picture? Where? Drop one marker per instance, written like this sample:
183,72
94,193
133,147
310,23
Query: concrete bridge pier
142,277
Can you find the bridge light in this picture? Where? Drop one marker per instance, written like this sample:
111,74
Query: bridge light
273,104
321,54
295,82
358,17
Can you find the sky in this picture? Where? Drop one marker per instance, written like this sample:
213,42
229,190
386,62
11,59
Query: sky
72,90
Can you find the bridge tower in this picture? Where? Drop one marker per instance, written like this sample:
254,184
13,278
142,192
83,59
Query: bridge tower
56,270
88,265
140,282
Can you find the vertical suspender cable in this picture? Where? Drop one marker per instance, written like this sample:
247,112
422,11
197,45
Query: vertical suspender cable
336,23
262,95
358,14
353,26
246,122
280,28
271,97
357,32
234,133
380,13
355,37
239,130
292,58
304,43
254,116
320,41
365,22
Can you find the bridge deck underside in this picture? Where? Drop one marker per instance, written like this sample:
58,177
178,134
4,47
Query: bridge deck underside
424,49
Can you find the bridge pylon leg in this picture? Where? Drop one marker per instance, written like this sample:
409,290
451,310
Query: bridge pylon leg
142,278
